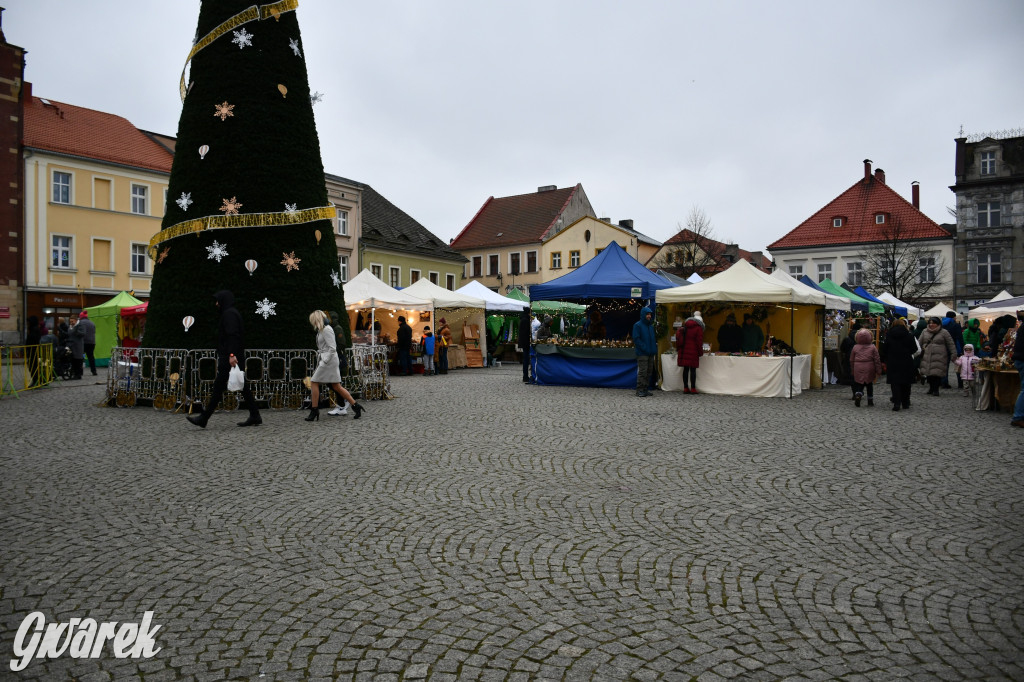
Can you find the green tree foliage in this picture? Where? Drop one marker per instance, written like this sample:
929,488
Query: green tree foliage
248,102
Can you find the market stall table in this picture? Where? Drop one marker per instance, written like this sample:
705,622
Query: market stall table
997,387
583,366
762,376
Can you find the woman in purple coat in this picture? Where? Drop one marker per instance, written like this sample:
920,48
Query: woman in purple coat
865,365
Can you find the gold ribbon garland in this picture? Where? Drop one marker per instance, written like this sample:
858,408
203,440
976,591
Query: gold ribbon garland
222,222
254,13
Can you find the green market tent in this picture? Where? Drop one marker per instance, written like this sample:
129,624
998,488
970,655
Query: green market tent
106,316
831,287
573,312
518,295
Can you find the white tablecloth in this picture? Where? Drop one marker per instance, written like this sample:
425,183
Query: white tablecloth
763,377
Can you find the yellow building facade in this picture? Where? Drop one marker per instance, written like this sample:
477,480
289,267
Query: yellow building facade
584,239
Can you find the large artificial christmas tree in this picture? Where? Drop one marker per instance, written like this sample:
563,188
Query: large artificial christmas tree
247,206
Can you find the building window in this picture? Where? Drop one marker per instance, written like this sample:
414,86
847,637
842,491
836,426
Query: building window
988,214
395,276
514,267
531,261
796,271
343,266
492,265
478,266
61,187
139,193
342,222
824,271
377,270
434,277
837,222
879,218
449,282
556,260
574,259
139,258
61,252
414,276
990,268
927,269
855,274
988,163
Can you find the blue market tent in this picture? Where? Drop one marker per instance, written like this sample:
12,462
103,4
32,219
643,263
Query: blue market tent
854,305
899,310
613,273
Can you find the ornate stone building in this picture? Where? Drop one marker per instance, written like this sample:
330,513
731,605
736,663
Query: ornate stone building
989,216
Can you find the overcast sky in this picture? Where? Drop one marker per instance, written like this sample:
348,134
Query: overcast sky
757,112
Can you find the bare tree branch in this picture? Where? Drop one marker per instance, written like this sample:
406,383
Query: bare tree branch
698,251
909,270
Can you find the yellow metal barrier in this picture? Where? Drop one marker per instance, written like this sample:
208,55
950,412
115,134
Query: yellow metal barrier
23,368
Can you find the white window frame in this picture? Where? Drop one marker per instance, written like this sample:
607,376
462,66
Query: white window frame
341,218
987,163
434,276
414,276
796,271
519,270
496,268
69,249
574,259
536,262
394,276
144,198
822,269
855,273
377,270
54,185
556,260
987,260
449,282
927,269
343,267
135,254
837,222
989,212
879,219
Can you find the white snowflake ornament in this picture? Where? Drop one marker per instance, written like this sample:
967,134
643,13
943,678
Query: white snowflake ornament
316,98
336,279
294,44
291,208
265,308
242,38
184,201
217,251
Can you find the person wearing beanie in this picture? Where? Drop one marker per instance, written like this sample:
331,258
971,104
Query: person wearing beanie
88,330
937,351
444,339
730,336
753,336
646,346
404,347
428,341
901,370
965,365
689,348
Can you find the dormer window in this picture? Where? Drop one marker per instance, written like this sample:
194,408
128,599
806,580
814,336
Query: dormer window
879,219
837,222
988,163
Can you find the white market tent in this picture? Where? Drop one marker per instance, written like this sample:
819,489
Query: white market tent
913,312
494,302
367,292
458,309
938,310
694,278
997,308
1001,296
742,283
830,301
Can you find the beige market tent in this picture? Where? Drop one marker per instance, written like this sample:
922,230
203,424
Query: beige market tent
458,310
830,301
938,310
791,311
385,303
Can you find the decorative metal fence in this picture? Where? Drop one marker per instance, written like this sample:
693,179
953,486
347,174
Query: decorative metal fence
177,379
25,367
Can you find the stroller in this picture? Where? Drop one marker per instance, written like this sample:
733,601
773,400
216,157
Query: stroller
62,366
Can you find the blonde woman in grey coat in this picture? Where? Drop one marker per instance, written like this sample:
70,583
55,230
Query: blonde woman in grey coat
937,349
328,371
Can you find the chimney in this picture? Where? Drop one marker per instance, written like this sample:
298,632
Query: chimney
880,175
730,252
960,167
628,224
757,259
867,170
915,194
547,188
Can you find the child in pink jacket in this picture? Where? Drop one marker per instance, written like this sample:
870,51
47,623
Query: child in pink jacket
965,364
865,365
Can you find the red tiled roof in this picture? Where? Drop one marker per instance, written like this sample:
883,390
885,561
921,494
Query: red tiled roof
858,207
716,250
67,129
520,219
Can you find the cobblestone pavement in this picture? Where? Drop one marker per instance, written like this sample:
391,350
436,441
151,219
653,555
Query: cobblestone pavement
479,528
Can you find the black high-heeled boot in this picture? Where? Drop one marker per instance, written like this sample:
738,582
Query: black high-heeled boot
358,409
314,415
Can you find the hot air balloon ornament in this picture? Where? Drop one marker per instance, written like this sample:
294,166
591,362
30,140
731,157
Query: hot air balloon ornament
203,151
282,89
187,322
316,233
251,265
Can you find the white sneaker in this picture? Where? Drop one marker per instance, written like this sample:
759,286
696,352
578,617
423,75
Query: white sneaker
339,411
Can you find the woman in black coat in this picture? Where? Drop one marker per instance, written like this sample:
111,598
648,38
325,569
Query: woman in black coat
898,357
